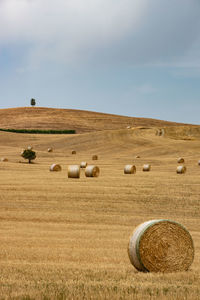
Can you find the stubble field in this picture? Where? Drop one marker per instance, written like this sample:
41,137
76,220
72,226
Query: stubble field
66,238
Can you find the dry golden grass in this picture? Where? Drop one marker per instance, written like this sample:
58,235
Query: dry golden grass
63,238
79,120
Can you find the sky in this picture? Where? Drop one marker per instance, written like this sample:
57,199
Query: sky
137,58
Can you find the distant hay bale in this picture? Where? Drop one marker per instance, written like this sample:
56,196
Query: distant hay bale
129,169
92,171
4,159
29,148
137,156
83,164
73,151
50,149
94,157
180,160
146,167
55,167
181,169
161,246
74,171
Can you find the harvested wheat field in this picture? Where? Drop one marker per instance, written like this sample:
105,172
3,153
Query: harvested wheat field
66,238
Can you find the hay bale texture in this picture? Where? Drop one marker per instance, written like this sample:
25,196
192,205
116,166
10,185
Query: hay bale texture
92,171
94,157
161,246
50,149
83,164
55,167
129,169
180,160
146,167
74,171
4,159
180,169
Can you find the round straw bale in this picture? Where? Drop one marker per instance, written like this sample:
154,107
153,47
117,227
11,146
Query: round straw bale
73,151
180,160
4,159
146,167
94,157
161,246
181,169
50,149
129,169
55,167
74,171
92,171
29,148
83,164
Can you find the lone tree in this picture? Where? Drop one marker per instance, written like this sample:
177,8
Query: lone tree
33,102
29,154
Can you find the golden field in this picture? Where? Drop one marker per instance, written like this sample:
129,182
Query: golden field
66,238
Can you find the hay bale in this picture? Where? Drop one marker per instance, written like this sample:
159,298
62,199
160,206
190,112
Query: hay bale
50,149
161,246
4,159
29,148
180,160
83,164
146,167
92,171
55,167
94,157
73,151
137,156
129,169
74,171
180,169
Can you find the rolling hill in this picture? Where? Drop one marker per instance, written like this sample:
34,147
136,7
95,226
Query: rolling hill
79,120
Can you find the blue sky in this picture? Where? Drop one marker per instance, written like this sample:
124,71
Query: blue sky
137,58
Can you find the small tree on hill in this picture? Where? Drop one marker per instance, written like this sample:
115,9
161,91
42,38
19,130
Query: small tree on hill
33,102
29,154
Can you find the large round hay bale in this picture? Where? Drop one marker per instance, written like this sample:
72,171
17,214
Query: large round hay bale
83,164
73,151
74,171
92,171
180,160
55,167
94,157
50,149
4,159
29,148
146,167
161,246
180,169
129,169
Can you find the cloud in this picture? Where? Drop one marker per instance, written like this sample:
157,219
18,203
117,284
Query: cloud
102,31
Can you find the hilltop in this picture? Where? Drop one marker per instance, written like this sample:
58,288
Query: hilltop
79,120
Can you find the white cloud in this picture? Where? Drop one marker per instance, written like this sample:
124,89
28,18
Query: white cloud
134,32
